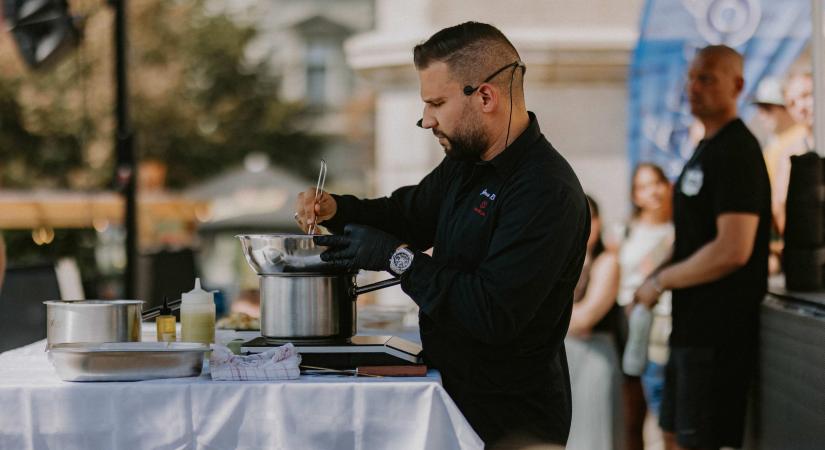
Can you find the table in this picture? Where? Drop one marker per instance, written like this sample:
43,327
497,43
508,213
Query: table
315,412
788,407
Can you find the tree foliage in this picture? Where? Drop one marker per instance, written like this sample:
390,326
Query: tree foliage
197,103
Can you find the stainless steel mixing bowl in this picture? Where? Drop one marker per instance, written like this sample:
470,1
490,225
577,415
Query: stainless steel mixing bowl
283,254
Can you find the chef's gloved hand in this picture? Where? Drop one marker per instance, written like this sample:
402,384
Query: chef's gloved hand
360,247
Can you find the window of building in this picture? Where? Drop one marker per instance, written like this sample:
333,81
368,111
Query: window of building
317,60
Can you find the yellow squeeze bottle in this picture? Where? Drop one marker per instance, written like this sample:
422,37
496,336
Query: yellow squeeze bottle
197,315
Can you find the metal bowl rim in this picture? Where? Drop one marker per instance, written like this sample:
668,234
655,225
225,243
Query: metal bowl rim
316,274
123,347
93,302
275,235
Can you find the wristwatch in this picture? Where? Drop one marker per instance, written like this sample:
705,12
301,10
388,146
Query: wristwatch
401,260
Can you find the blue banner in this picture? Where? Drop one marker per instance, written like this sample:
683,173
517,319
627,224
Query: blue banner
770,34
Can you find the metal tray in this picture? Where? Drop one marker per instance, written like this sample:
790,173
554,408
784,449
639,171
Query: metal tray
127,361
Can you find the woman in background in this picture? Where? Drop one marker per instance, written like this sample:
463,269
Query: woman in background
592,348
647,245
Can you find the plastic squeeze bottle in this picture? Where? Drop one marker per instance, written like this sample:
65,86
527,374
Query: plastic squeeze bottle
197,315
635,353
165,323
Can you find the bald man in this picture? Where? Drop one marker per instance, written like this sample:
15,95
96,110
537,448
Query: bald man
718,274
508,223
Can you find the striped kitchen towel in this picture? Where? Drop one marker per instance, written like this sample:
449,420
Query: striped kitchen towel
280,363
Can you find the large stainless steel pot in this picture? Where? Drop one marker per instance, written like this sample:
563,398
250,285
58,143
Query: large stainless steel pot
92,321
311,308
307,308
303,299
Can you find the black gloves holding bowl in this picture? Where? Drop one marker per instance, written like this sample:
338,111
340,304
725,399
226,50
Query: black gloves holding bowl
359,247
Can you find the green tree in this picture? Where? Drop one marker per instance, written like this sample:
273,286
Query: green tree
196,104
225,106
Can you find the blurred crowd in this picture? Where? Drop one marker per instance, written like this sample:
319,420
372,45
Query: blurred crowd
614,410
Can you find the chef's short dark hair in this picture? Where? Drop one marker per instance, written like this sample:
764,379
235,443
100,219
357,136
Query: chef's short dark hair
471,50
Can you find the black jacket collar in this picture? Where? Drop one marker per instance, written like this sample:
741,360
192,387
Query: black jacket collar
505,162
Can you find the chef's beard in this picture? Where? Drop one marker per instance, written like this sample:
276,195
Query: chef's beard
467,143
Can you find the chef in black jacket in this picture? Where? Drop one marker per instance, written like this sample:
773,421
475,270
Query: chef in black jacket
508,223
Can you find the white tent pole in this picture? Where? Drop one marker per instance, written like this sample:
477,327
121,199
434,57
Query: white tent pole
818,50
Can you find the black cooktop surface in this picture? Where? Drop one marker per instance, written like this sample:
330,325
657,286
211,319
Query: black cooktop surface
358,351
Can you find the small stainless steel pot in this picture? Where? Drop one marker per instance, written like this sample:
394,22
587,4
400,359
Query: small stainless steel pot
92,321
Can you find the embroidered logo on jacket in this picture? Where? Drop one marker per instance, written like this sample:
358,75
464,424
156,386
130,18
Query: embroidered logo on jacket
487,194
481,208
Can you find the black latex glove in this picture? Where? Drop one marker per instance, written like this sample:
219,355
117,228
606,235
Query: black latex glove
360,247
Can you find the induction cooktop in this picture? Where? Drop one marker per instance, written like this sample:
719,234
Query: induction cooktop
357,352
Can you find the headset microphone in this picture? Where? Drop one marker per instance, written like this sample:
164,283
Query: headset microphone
468,90
420,122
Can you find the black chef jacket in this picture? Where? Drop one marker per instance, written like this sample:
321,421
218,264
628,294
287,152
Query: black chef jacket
508,239
726,174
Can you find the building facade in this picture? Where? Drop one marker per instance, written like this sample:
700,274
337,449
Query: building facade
302,42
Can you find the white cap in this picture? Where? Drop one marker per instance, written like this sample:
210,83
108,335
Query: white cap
197,295
769,92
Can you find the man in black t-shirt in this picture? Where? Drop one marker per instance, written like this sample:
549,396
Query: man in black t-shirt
718,274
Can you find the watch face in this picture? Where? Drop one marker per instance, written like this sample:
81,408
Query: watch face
401,260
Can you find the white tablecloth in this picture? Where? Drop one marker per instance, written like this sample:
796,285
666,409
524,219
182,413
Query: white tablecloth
39,411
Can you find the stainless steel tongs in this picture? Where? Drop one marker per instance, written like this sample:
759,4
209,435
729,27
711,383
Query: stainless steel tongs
319,189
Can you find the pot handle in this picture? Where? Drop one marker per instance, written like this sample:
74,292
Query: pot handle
151,313
355,291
